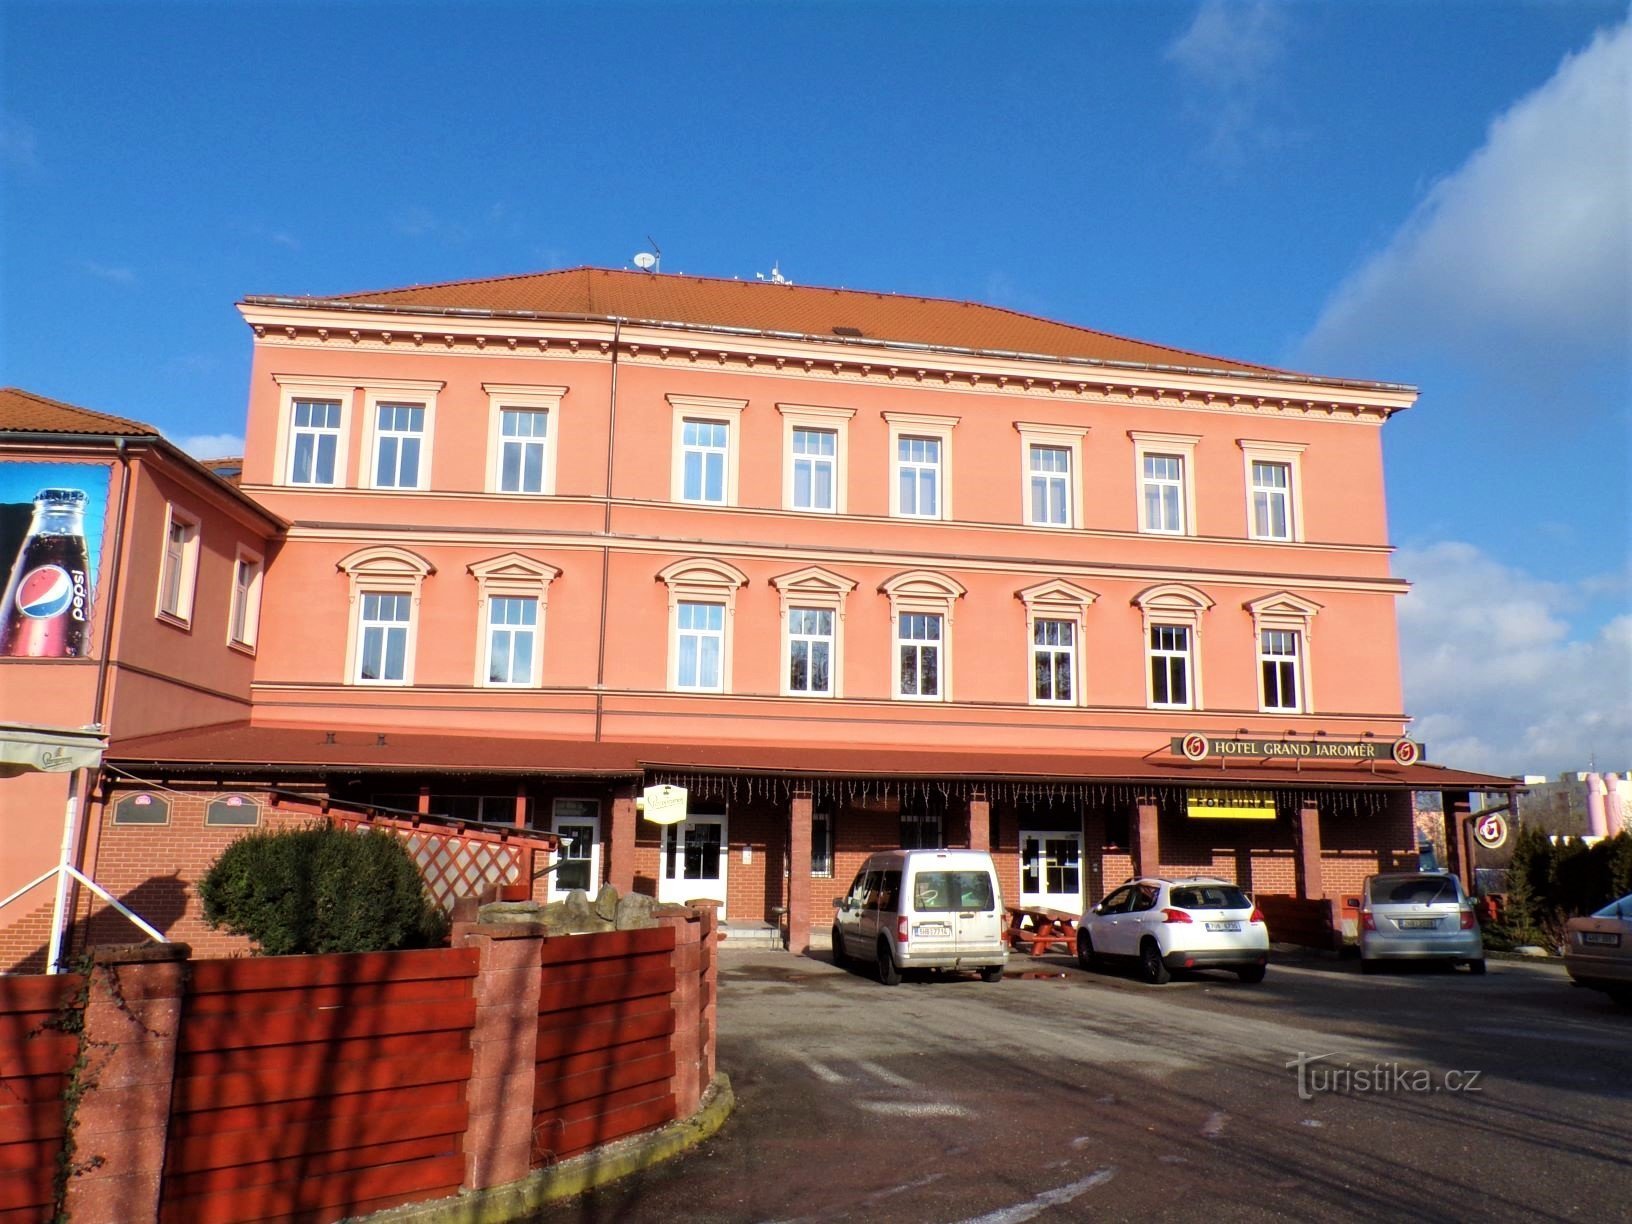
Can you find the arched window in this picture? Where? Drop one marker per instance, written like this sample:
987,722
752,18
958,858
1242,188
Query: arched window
512,591
812,631
921,613
385,584
702,608
1054,627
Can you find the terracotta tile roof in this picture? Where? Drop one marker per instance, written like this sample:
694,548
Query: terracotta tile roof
310,749
762,306
24,412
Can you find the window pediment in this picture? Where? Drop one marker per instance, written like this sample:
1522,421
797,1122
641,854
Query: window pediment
1282,610
513,567
1056,593
1173,597
814,580
703,572
386,561
922,584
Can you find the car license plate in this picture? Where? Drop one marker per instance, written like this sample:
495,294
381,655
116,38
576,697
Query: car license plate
930,930
1223,926
1418,924
1603,939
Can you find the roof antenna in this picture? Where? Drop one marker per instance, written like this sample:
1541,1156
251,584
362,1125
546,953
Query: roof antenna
776,277
646,261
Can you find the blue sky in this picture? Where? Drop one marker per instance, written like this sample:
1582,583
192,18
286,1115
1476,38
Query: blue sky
1434,193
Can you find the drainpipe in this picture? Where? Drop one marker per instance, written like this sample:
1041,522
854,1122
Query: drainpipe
86,838
606,530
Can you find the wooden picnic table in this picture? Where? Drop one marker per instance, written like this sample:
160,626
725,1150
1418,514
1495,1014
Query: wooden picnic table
1041,929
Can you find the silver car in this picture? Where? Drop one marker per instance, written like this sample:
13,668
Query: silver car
1418,915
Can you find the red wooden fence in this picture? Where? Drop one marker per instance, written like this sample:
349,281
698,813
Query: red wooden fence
36,1059
330,1085
606,1014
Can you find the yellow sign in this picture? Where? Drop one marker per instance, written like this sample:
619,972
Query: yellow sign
664,804
1229,805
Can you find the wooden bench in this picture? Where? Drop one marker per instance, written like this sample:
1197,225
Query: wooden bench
1041,930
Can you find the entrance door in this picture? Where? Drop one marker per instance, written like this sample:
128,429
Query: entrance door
577,822
694,853
1051,870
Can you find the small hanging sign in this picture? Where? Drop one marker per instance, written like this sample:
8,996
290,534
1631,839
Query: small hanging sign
663,805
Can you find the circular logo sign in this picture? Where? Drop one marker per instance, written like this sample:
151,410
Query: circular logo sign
1491,831
1194,747
1407,752
45,592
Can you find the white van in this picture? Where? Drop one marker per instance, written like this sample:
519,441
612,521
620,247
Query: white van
922,909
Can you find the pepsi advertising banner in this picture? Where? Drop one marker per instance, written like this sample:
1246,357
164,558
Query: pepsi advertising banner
52,516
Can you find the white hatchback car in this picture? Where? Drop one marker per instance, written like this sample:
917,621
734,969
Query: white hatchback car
1162,925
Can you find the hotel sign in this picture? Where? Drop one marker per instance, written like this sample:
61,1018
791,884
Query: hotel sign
1229,805
1197,747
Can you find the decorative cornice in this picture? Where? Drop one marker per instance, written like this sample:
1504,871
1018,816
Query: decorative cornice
1242,393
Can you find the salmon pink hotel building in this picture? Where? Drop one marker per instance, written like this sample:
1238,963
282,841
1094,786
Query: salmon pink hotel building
856,570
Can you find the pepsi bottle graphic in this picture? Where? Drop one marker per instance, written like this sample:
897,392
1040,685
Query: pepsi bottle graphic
46,611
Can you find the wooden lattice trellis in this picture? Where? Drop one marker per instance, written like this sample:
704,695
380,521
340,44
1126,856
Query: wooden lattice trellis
463,860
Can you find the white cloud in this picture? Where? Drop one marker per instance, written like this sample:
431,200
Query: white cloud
1228,51
212,446
1521,254
114,274
1494,673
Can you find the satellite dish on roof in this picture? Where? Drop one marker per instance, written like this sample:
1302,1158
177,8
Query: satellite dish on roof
645,261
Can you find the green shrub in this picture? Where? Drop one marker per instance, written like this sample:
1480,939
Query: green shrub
321,889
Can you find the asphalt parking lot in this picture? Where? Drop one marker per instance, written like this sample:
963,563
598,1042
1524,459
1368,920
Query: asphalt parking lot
1424,1094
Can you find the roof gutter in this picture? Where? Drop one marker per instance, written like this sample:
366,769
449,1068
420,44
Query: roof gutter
121,441
865,342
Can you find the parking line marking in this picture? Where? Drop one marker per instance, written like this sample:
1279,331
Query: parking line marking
1045,1201
822,1072
885,1074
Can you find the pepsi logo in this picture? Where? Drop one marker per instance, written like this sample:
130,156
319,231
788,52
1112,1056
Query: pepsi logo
45,592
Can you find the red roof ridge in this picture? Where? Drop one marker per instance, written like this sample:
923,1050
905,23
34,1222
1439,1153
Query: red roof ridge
124,425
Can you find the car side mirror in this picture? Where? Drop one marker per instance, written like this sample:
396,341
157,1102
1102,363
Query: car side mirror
1098,909
842,903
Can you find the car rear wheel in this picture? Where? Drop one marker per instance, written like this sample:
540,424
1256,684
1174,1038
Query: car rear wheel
888,972
840,956
1151,965
1251,975
991,973
1086,956
1476,966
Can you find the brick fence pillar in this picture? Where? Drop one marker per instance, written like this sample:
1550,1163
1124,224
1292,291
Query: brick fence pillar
122,1120
686,1084
504,1047
708,943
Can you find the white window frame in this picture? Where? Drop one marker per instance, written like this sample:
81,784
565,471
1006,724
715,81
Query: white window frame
916,425
1178,606
919,646
1181,447
727,412
1166,655
557,819
492,629
1290,456
810,641
364,624
244,606
705,581
1285,611
517,397
1284,664
292,387
383,570
404,394
1056,600
297,431
510,576
698,635
813,587
832,420
182,563
1054,650
1059,437
928,593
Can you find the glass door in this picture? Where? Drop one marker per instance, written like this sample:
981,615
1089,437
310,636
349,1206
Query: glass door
1051,870
693,860
577,822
